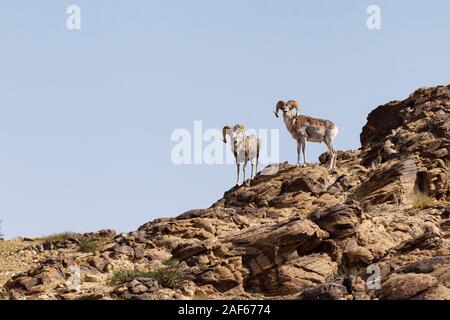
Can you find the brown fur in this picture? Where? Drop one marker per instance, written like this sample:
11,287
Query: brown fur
302,120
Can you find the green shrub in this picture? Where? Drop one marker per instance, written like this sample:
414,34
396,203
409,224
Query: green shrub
57,236
356,198
356,271
126,275
200,296
89,279
305,284
88,245
421,200
4,294
167,277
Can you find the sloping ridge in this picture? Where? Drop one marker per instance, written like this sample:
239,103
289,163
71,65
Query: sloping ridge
302,233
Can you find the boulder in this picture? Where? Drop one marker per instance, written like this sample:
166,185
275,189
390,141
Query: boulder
406,286
392,183
327,291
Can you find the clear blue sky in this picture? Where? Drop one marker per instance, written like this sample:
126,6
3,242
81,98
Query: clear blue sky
86,116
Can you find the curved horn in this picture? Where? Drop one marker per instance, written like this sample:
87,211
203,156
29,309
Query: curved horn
224,133
294,105
241,127
280,104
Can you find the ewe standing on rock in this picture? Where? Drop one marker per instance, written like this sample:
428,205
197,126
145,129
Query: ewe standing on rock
305,128
245,148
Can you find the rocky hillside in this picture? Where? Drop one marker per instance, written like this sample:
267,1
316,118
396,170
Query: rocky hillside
304,233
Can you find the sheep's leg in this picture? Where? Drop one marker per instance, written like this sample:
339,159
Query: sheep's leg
331,153
257,156
238,173
333,165
334,155
304,152
298,153
243,167
253,164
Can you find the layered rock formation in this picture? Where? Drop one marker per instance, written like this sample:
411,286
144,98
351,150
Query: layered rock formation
376,228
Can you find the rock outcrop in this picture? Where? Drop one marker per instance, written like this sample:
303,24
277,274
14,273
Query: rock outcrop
376,228
418,126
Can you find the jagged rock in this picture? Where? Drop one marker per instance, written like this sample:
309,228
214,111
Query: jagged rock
276,240
139,252
357,287
138,289
254,251
39,280
222,277
328,291
125,250
160,231
98,263
411,276
313,181
429,240
384,119
302,272
419,125
301,232
216,212
438,292
389,184
433,179
437,265
105,233
381,122
185,251
406,286
355,254
339,220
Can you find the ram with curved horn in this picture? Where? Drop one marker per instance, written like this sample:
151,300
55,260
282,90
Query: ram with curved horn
305,128
245,148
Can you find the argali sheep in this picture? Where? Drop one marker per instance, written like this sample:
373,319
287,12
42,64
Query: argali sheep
305,128
245,148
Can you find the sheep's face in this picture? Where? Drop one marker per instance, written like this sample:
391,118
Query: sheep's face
285,109
237,133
